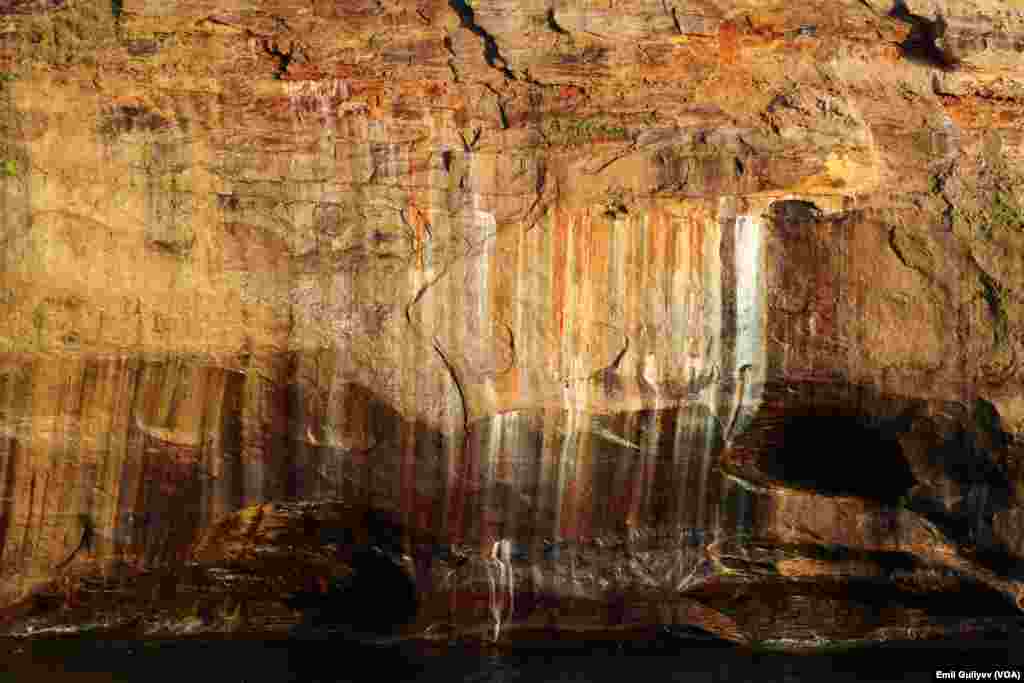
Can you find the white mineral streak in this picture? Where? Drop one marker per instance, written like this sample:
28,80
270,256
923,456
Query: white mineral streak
750,347
564,465
681,460
950,142
502,582
571,365
490,465
486,227
482,229
711,341
574,393
650,371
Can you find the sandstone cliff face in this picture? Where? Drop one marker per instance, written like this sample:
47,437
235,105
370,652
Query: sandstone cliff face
711,309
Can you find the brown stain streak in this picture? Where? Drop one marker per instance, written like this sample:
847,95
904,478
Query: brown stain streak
558,269
7,508
28,521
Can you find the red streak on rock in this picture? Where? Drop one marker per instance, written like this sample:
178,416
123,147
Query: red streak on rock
728,42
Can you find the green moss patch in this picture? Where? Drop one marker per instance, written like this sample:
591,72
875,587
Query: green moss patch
570,131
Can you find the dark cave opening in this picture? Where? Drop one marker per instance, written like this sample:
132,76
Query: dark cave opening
921,45
962,598
379,595
838,455
794,212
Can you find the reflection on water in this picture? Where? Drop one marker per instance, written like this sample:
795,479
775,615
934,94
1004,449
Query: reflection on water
236,661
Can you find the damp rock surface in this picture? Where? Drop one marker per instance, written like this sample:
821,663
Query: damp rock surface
598,319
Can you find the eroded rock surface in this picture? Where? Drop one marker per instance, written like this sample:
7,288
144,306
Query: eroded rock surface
625,314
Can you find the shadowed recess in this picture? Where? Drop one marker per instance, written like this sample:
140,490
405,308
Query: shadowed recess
836,455
794,211
379,596
942,596
920,45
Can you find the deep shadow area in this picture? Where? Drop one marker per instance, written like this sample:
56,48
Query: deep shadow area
890,561
838,455
968,458
84,660
973,532
853,607
377,599
919,46
974,457
966,598
794,212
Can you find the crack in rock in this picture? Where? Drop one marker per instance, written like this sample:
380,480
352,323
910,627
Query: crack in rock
491,52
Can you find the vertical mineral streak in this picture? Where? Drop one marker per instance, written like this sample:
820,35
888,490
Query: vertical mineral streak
9,449
750,347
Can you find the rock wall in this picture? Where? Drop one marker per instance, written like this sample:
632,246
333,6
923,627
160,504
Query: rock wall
735,281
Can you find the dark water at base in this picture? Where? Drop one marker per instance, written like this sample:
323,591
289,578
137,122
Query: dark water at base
194,661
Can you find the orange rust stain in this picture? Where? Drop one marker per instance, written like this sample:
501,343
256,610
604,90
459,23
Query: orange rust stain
419,165
412,88
598,240
581,275
695,227
728,42
697,53
961,114
582,265
655,238
644,262
504,271
559,236
419,230
671,263
631,273
377,100
506,385
696,230
301,72
345,70
436,89
890,53
657,279
569,92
